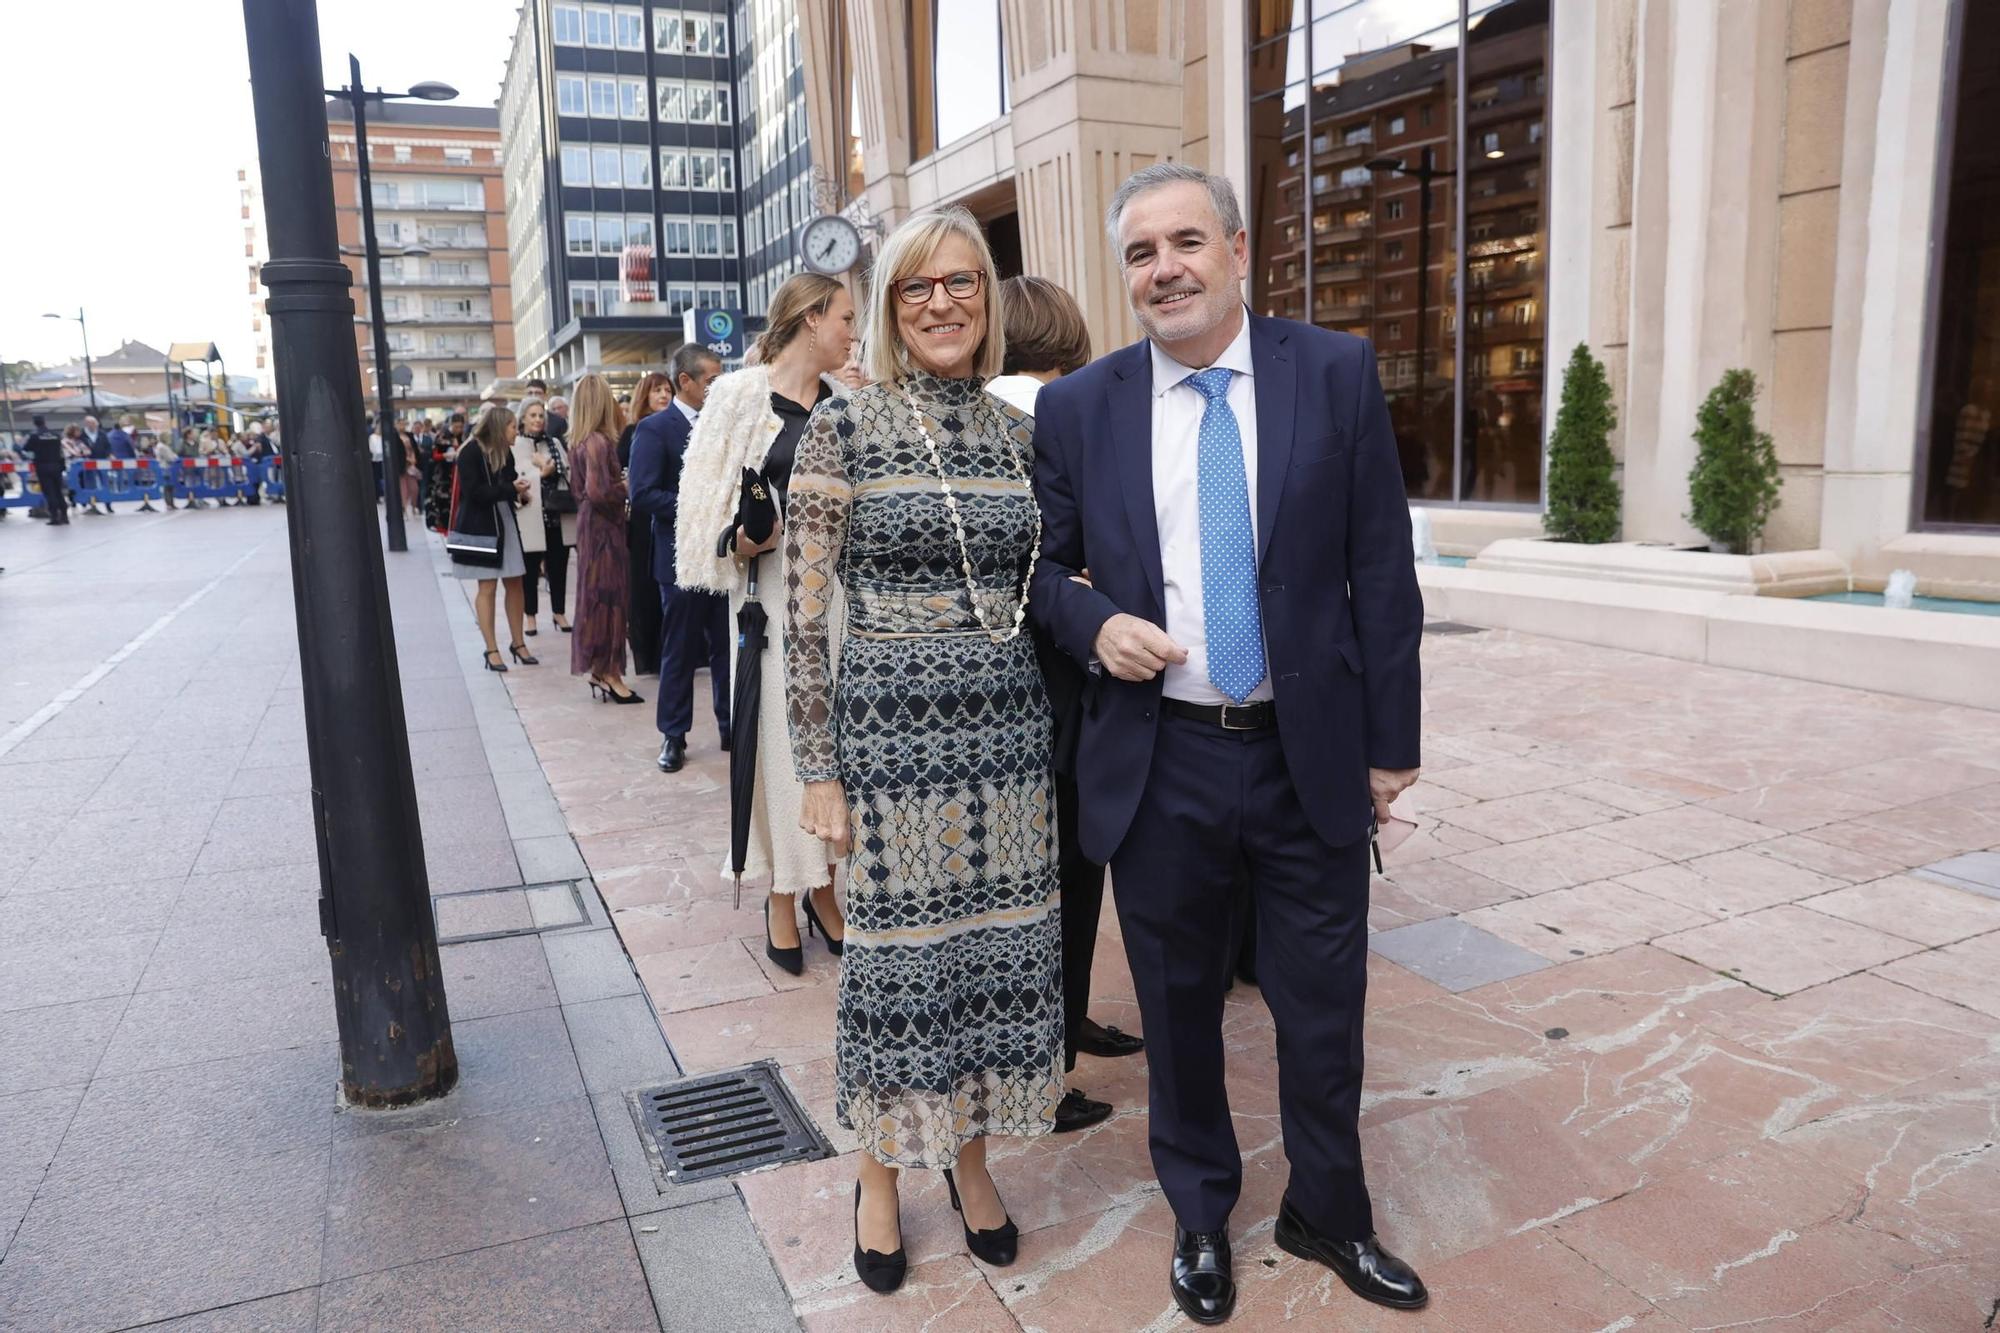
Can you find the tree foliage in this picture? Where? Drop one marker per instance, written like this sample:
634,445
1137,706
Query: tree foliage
1733,486
1584,500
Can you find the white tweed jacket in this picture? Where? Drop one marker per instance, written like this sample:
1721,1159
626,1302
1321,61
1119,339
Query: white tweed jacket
734,431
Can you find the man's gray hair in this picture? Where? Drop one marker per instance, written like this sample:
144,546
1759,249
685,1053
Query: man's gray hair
688,361
1221,195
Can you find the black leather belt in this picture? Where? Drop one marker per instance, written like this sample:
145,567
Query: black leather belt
1230,717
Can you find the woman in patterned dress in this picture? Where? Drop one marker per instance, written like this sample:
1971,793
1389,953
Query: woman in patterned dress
928,749
597,646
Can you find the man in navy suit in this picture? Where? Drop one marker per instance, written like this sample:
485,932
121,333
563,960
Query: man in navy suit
1251,624
694,625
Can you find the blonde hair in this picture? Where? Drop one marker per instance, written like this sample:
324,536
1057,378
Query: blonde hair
594,411
802,294
495,436
908,249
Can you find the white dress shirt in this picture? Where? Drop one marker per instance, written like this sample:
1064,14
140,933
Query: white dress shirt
686,411
1017,391
1177,409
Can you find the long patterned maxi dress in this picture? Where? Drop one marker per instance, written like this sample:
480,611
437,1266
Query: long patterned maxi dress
949,1020
597,642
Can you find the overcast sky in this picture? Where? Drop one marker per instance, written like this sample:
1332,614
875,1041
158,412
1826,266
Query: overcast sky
125,123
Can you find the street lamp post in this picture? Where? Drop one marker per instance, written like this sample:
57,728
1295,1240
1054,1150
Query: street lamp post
393,462
375,907
89,375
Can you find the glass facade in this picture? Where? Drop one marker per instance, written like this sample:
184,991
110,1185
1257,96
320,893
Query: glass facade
1356,200
1960,484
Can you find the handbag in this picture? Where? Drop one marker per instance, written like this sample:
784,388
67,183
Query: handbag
559,498
756,512
474,548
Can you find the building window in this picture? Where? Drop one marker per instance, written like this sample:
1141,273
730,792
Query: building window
729,236
583,299
701,103
597,26
610,234
1397,124
632,99
694,36
701,173
673,101
605,164
638,169
708,238
458,157
1395,329
722,116
401,152
718,36
673,169
567,25
678,237
1358,134
577,234
1392,210
1958,465
631,28
725,171
575,164
639,230
666,32
569,96
1393,250
679,298
604,98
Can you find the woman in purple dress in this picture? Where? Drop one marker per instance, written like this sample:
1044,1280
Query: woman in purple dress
597,647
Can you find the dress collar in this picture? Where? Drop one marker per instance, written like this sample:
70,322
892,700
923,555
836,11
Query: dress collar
928,388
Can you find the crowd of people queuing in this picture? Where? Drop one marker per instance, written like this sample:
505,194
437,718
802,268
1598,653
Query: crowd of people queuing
45,454
1030,614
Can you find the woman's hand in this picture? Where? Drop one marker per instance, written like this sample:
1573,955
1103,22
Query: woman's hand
746,548
823,813
521,488
546,464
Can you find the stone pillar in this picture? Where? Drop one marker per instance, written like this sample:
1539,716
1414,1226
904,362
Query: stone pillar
1707,139
1882,273
1097,94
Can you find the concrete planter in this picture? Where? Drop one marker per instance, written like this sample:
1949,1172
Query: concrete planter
1774,574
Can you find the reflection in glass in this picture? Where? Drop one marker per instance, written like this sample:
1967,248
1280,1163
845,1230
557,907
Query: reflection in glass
1962,487
971,81
1375,250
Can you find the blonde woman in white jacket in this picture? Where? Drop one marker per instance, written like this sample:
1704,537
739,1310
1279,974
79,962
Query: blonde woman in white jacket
754,419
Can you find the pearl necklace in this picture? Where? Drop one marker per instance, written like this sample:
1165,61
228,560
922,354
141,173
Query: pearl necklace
965,548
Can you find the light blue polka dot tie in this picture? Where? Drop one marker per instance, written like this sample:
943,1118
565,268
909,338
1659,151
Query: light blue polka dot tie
1228,545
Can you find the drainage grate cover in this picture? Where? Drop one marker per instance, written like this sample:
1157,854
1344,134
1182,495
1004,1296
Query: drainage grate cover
728,1123
1451,627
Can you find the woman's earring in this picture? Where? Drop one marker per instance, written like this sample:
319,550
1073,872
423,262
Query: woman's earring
813,346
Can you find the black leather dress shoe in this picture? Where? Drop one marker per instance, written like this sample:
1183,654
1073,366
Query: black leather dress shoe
673,754
724,738
1093,1039
1200,1278
1076,1111
1369,1271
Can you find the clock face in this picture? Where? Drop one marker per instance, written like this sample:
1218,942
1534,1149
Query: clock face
831,245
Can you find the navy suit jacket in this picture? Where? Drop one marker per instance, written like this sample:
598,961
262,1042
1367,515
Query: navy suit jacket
1337,583
659,442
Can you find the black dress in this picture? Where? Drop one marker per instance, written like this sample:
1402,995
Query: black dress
642,613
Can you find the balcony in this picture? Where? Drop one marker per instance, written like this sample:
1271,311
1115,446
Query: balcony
438,280
418,317
1337,193
1326,310
1337,273
1342,235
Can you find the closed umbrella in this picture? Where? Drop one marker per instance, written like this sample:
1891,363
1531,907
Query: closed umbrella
751,624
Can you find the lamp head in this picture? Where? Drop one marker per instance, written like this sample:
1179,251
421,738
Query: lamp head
430,90
1384,164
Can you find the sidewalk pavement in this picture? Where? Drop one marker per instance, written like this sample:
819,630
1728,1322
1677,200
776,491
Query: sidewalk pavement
1682,1015
171,1151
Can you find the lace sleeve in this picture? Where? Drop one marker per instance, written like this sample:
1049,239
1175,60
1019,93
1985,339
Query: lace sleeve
819,500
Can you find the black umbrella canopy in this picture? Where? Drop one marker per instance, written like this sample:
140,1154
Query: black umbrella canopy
752,634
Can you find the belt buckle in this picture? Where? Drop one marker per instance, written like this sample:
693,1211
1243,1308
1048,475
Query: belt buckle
1227,725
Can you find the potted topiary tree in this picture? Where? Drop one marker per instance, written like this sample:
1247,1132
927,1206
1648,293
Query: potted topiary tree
1584,500
1734,483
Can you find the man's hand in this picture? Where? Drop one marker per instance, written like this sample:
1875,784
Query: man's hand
823,813
1386,784
1135,649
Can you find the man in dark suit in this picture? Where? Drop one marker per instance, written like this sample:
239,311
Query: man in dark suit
99,444
43,448
1251,628
694,625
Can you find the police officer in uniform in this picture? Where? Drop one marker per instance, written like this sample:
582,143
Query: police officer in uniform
44,448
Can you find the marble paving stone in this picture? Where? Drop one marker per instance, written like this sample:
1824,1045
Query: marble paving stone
57,1045
1455,954
948,1293
32,1125
788,1027
1588,919
692,1254
1105,1274
1531,815
1967,820
162,1029
589,1278
1730,883
1978,871
589,965
805,1213
1864,1034
1796,807
293,1312
1914,909
92,864
505,1063
1961,973
1892,843
64,971
1912,778
1429,889
1684,833
701,976
1823,858
1555,862
190,1238
1441,1050
1622,797
1393,987
463,914
1609,1003
1786,949
487,977
543,860
222,901
286,943
457,867
619,1044
1500,778
112,909
409,1195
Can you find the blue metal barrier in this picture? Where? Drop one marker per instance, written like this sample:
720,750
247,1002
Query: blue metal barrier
18,487
114,479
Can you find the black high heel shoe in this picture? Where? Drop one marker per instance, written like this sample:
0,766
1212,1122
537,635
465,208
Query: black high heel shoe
792,960
493,662
878,1271
522,655
813,926
996,1245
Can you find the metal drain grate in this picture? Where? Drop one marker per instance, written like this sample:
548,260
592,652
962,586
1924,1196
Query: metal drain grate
1452,627
724,1124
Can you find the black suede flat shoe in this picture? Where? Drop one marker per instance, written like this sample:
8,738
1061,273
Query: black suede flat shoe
1109,1043
1076,1111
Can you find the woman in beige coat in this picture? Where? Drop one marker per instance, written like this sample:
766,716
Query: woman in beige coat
546,536
753,419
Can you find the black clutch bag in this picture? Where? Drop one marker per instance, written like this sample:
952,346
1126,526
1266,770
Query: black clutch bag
756,511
